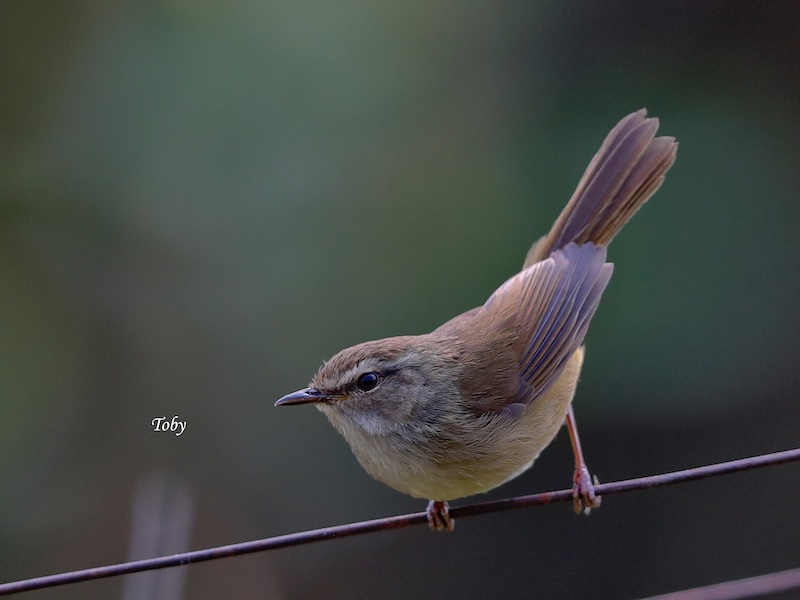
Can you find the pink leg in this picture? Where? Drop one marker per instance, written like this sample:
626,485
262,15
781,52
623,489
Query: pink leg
584,497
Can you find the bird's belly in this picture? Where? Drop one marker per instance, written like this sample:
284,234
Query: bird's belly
481,454
502,448
424,471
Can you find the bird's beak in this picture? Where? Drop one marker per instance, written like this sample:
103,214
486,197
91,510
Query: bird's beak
305,396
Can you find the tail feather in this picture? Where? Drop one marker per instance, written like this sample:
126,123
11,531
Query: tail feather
628,168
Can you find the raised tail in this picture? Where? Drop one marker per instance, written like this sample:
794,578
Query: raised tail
627,170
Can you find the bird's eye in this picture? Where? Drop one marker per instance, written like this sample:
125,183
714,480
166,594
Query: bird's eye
367,381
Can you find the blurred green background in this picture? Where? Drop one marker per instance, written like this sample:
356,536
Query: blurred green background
201,201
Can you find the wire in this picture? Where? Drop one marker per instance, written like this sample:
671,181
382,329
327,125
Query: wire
751,587
397,522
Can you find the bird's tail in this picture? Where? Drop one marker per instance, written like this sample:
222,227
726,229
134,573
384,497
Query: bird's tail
627,170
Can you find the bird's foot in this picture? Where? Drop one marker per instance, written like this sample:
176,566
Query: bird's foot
584,498
439,516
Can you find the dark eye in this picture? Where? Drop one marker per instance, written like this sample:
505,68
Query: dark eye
367,381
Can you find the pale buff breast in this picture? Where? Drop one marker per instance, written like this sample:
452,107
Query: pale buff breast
487,452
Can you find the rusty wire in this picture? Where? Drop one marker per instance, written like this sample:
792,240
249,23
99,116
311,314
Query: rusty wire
397,522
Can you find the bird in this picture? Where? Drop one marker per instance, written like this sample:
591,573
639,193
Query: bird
471,405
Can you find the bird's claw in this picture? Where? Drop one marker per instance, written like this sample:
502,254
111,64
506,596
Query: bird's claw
439,518
584,498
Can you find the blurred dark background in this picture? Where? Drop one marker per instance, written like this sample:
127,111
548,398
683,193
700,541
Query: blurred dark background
201,201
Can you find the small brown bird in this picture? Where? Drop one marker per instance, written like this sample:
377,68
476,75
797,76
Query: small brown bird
469,406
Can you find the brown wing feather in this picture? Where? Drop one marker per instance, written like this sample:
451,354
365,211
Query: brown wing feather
540,317
579,276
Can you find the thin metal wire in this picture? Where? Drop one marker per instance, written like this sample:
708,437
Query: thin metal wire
751,587
397,522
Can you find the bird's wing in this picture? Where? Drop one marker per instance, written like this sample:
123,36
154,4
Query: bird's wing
550,304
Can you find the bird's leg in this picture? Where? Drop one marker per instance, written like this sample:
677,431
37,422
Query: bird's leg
439,516
584,498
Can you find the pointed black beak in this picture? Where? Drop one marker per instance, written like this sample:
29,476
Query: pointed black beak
306,396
